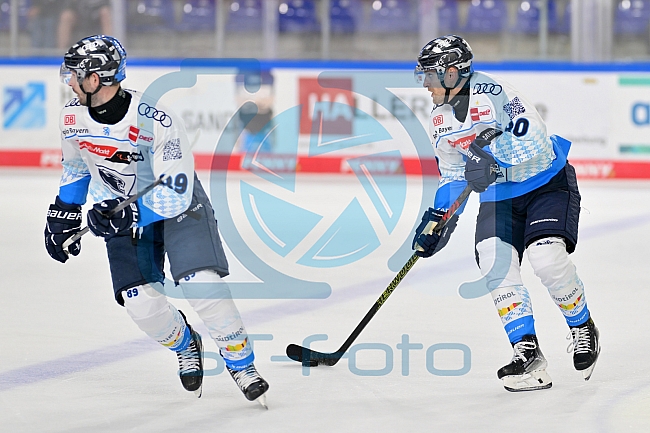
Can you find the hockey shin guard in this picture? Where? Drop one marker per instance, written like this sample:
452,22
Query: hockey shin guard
552,265
154,315
210,297
499,264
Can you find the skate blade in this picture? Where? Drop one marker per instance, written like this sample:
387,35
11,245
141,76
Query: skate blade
533,381
262,401
199,392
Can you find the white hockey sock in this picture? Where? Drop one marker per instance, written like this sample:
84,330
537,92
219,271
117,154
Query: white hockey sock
154,315
552,265
210,297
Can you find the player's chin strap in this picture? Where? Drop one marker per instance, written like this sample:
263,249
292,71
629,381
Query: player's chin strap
449,89
88,94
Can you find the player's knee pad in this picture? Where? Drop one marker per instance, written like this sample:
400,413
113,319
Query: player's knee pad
551,263
499,263
142,302
210,297
154,315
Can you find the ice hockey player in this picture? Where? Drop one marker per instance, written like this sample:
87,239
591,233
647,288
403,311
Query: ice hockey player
109,155
487,135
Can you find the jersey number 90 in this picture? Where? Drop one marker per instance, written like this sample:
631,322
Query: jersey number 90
518,128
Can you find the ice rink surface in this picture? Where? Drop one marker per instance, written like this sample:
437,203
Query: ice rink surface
73,361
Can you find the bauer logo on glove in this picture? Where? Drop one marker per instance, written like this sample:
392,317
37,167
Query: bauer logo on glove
104,221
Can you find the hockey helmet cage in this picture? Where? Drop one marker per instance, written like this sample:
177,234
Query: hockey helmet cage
442,53
100,54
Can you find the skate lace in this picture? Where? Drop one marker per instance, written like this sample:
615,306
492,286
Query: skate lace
519,349
580,343
188,359
246,377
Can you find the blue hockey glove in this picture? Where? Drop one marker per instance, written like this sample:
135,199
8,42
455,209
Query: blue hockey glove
432,243
102,225
63,222
480,168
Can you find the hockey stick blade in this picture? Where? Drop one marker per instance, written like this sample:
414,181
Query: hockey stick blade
312,358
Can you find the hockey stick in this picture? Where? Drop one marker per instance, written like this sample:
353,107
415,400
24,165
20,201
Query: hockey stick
312,358
122,205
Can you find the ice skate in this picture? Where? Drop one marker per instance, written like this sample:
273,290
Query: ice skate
527,369
251,384
190,363
585,347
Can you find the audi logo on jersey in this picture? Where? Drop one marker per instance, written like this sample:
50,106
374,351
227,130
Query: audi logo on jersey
157,115
487,88
462,142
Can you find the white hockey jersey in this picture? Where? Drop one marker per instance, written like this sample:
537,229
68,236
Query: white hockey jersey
528,157
109,161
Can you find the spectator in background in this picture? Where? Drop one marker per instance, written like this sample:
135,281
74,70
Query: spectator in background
80,18
43,19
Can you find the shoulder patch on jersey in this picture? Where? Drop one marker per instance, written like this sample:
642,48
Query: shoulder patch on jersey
514,108
140,137
481,113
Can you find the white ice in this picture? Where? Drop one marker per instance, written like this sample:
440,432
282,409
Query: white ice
73,361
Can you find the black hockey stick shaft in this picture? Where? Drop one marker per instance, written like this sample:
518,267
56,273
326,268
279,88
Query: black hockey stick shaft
313,358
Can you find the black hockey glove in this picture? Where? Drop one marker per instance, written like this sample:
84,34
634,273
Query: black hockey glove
480,168
108,226
432,243
63,222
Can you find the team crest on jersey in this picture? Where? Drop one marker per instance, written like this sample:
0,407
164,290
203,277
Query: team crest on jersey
463,142
481,113
120,183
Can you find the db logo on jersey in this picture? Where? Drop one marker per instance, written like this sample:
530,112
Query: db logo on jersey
69,119
437,120
463,142
481,113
